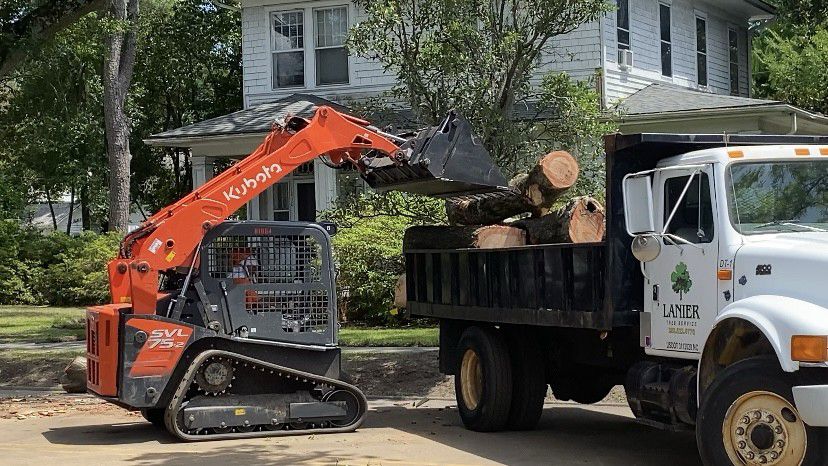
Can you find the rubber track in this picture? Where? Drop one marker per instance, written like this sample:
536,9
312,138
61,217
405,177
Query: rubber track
171,413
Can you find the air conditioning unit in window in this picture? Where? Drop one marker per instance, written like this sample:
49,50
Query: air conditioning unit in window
625,59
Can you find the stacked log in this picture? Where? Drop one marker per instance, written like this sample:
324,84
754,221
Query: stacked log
534,192
481,221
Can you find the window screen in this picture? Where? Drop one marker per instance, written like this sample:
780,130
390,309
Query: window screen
666,40
733,46
331,54
701,51
288,46
623,24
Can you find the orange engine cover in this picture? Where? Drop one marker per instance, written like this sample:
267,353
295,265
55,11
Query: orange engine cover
102,348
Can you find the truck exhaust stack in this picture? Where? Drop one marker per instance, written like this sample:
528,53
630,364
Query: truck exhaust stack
447,160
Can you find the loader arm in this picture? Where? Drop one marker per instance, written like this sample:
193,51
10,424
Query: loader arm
170,238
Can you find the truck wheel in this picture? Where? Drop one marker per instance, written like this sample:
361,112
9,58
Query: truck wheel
528,384
748,417
483,381
154,416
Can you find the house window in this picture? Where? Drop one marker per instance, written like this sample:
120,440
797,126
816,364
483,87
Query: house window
666,41
331,55
281,201
733,43
701,51
288,48
623,24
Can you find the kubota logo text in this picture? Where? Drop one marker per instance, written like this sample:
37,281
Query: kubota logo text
249,184
168,338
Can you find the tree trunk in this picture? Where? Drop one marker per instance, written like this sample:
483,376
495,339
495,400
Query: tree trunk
581,220
86,215
51,210
71,211
117,76
458,237
533,192
400,298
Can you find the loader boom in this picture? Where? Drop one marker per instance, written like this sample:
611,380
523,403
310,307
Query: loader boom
170,238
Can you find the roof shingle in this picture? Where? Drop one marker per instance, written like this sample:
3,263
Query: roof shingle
662,98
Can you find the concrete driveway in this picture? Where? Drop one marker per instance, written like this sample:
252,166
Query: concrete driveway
396,432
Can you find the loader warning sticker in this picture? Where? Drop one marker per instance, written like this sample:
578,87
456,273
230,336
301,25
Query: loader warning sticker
155,245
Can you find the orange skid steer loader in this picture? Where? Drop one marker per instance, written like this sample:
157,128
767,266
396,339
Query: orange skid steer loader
223,329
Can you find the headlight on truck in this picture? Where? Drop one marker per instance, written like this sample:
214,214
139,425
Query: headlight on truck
809,348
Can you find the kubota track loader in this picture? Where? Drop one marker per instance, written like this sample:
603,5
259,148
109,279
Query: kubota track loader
228,329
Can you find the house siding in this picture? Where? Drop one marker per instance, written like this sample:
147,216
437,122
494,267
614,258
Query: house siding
645,44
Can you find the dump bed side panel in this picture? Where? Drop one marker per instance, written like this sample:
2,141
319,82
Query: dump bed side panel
560,285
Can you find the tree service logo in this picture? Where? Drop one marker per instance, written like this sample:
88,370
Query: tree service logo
681,280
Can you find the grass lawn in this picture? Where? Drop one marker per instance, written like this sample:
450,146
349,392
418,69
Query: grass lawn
372,336
40,324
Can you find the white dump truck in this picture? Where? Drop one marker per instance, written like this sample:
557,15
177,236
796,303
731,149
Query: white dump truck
708,301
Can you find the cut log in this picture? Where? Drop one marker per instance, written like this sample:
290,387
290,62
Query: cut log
73,379
458,237
400,296
581,220
533,192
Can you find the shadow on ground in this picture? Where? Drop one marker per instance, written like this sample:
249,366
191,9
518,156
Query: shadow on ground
566,435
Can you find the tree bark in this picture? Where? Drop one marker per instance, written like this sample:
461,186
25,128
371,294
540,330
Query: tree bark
51,210
24,34
86,215
581,220
400,294
117,76
533,192
459,237
71,211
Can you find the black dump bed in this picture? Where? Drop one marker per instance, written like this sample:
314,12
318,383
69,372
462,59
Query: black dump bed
596,286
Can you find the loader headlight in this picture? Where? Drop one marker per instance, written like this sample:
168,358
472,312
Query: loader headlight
809,348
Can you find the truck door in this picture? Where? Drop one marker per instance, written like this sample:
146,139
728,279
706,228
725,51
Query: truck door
683,278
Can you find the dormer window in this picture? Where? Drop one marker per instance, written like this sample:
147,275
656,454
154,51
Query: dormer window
327,32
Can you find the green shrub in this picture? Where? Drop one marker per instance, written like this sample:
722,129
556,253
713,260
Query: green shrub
369,260
53,268
16,270
78,275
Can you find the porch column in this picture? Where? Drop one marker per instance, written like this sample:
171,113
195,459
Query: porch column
202,169
324,181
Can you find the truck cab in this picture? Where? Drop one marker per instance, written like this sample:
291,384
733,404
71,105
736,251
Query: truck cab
732,247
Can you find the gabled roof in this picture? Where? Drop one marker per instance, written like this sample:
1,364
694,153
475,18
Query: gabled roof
664,98
258,119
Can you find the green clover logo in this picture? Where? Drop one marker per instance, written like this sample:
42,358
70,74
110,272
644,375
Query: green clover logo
681,280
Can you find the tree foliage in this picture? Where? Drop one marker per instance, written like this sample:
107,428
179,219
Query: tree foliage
188,68
479,57
791,56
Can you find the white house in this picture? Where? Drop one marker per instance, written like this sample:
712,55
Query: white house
669,65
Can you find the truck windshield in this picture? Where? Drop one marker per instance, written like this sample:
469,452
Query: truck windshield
773,197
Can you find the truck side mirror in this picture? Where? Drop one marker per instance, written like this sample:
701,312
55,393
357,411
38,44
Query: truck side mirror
638,204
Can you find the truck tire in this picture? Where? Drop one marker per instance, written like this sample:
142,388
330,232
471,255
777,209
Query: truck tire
528,384
483,381
755,390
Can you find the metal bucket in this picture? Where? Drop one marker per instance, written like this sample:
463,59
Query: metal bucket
447,160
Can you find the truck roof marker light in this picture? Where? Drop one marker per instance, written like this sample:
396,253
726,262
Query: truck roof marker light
735,154
724,274
823,151
809,348
802,151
